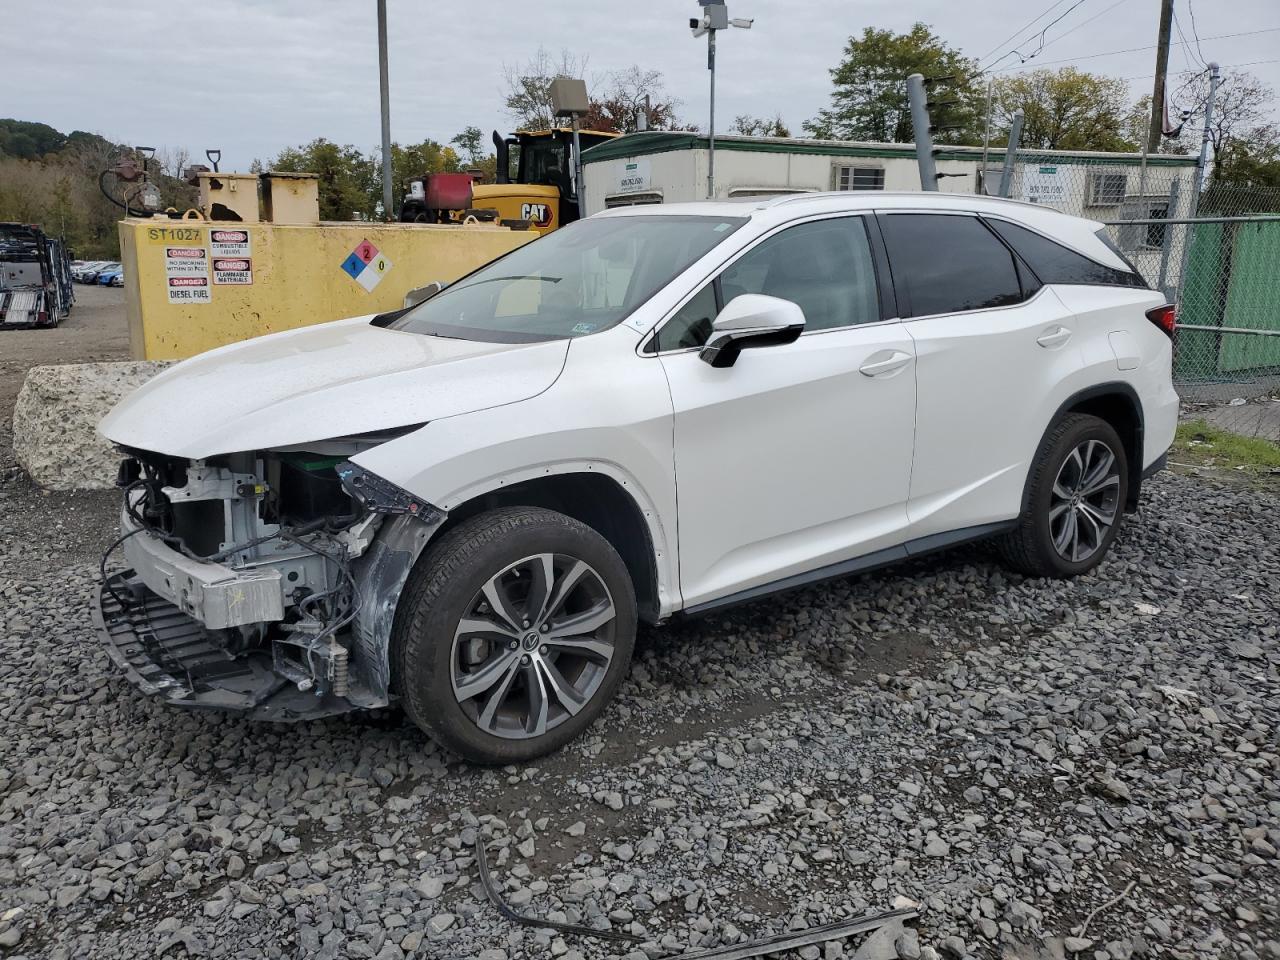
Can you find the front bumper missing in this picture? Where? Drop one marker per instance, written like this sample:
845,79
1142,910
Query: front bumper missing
166,653
213,593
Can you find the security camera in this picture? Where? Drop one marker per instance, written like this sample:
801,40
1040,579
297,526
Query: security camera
742,22
694,23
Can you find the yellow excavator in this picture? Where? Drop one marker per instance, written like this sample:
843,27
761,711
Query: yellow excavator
540,196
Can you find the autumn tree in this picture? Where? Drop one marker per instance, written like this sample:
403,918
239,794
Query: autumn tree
616,98
1244,140
750,126
1065,109
869,101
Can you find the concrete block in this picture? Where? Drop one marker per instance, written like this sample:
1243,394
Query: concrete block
55,418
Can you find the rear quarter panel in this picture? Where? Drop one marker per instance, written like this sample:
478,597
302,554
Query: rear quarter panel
1098,312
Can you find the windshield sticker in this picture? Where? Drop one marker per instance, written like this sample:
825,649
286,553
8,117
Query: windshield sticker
722,227
583,328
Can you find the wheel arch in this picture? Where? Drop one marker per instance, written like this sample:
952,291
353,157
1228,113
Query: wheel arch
604,499
1117,403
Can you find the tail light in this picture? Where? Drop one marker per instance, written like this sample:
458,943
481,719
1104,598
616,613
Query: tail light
42,316
1165,317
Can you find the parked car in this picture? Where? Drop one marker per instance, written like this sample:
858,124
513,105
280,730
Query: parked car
81,272
469,504
112,276
90,272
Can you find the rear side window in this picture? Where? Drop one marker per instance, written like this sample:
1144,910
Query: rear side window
949,264
1054,263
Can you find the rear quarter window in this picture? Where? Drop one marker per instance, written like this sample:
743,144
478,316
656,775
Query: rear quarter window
1055,263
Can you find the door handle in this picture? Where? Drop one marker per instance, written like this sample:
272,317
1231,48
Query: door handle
884,362
1054,337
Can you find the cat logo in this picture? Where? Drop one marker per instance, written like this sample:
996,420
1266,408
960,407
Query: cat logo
539,214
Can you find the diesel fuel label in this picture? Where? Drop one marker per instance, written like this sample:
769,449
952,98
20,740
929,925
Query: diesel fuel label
186,272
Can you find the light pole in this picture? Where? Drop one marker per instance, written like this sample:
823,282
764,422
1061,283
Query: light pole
384,90
715,17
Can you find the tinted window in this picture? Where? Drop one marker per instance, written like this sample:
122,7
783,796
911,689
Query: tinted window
826,267
949,263
1054,263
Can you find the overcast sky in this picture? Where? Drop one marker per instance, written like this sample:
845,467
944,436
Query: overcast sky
252,76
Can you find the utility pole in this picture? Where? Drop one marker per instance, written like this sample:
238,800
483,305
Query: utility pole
384,88
1202,168
923,131
1156,130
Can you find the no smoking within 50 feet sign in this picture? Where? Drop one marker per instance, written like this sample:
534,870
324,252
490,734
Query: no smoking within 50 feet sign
366,265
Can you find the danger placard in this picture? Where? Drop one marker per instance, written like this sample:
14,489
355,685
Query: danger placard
186,272
233,270
228,243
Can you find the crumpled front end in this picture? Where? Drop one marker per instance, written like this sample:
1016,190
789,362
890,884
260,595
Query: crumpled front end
263,582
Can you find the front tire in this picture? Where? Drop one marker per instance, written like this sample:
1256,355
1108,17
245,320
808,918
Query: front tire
513,633
1076,495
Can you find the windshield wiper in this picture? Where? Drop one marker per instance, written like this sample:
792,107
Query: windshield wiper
476,283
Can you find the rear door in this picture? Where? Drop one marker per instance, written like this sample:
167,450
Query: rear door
799,455
993,348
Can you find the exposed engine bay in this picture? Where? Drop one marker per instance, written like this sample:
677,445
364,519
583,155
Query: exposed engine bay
253,582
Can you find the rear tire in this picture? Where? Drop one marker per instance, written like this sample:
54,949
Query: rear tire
1075,500
513,634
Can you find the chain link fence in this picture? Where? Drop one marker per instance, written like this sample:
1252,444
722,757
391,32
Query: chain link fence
1216,255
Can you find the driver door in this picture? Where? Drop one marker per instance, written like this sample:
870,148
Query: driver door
797,457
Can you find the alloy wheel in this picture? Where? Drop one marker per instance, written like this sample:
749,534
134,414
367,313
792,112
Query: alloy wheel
1085,500
534,646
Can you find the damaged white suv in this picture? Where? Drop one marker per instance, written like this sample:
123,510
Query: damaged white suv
468,505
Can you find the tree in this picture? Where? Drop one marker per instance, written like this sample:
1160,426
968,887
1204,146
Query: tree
870,97
348,178
750,126
528,98
616,98
1245,141
471,142
1065,109
627,94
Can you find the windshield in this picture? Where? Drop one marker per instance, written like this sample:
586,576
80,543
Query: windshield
577,280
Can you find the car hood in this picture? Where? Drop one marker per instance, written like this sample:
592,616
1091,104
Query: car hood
321,382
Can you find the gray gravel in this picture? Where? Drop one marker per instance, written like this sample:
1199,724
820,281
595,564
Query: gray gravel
1018,757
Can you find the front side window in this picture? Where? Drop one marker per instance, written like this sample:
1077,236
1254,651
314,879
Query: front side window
825,266
578,280
948,263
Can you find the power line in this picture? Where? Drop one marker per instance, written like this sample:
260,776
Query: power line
1187,52
1248,63
1036,52
1084,23
1194,32
1112,53
1025,26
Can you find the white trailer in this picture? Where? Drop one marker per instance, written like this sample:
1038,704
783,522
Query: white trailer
670,167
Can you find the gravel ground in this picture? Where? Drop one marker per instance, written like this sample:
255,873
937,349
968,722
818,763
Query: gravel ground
1011,754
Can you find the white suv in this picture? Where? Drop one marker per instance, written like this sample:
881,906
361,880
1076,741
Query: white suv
467,505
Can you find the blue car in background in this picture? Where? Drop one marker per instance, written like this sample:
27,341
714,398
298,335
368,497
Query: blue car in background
112,276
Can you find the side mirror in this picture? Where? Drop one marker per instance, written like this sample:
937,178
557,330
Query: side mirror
751,320
421,294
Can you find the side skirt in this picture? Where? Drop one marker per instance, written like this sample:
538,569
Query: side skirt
869,561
